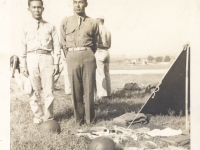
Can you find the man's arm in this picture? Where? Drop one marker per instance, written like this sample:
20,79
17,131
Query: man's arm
23,49
62,34
56,46
106,38
56,53
95,37
23,54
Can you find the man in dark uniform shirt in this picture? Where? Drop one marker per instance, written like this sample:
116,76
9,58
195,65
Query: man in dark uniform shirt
79,43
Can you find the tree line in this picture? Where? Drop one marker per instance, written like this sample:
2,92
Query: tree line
159,58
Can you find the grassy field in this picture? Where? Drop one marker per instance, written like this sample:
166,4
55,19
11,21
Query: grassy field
27,136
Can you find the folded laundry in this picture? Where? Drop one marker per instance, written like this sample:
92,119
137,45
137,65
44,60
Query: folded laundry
130,148
148,145
138,120
178,140
132,117
164,132
176,148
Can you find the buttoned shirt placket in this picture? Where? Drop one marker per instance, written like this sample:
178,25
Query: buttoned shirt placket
38,33
79,29
80,21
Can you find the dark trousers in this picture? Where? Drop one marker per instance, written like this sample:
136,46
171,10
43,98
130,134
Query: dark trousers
81,69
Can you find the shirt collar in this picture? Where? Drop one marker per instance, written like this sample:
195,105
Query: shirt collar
36,21
82,17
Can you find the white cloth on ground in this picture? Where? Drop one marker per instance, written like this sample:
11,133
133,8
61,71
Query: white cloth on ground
164,132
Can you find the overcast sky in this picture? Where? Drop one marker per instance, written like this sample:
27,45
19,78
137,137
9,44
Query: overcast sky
138,27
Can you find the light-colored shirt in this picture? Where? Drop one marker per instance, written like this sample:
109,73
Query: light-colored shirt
39,35
104,38
79,33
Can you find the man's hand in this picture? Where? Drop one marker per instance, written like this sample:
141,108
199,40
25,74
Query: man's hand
55,69
24,71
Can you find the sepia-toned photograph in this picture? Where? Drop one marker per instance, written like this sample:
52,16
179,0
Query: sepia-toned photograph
101,74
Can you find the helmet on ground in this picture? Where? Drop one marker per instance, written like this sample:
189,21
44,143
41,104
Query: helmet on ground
102,143
50,126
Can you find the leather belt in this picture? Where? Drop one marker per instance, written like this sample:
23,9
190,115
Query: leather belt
79,49
40,51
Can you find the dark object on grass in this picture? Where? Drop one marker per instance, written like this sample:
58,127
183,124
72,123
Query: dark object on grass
102,143
14,64
133,87
127,118
178,140
50,126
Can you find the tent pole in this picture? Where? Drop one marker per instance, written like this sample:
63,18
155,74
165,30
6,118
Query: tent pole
186,88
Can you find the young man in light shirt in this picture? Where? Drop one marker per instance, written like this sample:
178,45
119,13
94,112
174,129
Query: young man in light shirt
39,41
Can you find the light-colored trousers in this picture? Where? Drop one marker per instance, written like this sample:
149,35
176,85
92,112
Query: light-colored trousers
66,77
40,68
103,83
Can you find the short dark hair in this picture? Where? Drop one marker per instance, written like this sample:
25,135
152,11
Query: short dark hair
29,2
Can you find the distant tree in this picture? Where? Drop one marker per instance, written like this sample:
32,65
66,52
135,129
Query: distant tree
159,59
167,59
139,59
150,58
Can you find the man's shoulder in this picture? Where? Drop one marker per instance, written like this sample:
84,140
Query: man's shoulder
26,24
67,18
30,23
106,29
49,25
91,19
46,22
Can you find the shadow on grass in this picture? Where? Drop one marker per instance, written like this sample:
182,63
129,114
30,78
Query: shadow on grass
66,114
109,109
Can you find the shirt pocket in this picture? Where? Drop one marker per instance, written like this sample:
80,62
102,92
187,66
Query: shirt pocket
70,35
89,33
30,36
47,37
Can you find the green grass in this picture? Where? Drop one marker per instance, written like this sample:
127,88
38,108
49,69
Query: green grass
24,135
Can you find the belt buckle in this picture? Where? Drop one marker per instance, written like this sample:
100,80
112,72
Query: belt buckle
80,49
37,52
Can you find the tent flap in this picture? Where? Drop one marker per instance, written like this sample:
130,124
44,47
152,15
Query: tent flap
171,93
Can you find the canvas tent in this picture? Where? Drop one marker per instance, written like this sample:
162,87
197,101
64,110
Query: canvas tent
173,92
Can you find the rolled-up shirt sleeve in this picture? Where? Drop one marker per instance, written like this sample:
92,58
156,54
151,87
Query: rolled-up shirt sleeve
104,38
95,38
23,49
56,46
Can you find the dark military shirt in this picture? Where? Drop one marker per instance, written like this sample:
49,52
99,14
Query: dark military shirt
79,31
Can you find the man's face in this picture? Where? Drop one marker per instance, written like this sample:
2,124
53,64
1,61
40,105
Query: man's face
36,9
79,6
